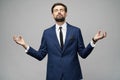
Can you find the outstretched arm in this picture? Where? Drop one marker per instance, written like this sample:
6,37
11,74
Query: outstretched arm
84,52
40,54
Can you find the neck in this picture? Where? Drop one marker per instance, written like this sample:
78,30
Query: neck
60,23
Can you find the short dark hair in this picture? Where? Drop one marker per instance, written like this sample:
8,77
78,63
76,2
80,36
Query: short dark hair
61,4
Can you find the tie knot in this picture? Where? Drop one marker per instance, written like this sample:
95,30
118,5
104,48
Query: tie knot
60,28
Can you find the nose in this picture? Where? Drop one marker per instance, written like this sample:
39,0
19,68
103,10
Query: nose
59,11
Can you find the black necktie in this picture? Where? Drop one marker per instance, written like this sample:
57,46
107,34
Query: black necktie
61,37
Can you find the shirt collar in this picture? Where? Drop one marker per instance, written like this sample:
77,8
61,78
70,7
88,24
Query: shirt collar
64,26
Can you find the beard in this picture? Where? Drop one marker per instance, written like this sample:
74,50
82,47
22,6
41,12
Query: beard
60,19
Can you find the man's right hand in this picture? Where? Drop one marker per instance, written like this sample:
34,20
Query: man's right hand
19,40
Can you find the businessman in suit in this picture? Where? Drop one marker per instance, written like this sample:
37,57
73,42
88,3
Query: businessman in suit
62,43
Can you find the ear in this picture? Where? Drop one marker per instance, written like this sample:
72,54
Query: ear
52,15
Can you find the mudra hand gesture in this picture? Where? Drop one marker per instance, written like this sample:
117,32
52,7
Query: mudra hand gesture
99,35
19,40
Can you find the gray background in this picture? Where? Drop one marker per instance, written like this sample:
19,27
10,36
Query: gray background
29,18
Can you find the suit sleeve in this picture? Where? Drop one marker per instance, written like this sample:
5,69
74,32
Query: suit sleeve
41,53
82,50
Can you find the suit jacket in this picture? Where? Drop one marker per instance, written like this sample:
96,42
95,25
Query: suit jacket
64,62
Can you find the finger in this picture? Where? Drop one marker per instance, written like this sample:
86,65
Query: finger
105,34
102,35
20,37
99,32
14,38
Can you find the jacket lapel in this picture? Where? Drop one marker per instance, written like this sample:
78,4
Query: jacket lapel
68,35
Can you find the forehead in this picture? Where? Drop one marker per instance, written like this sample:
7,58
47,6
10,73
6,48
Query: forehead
58,7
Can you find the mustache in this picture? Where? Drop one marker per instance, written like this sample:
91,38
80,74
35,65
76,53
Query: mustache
59,14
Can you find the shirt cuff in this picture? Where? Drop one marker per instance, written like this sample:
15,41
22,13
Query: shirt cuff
92,43
27,49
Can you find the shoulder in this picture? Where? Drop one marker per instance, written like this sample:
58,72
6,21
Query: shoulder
73,27
49,30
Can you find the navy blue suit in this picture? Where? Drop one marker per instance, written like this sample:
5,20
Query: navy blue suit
62,63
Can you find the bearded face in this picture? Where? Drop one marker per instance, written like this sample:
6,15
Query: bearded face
59,14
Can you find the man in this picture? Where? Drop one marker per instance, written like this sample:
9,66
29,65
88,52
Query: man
62,42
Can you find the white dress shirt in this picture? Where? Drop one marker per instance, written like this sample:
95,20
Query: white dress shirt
64,30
